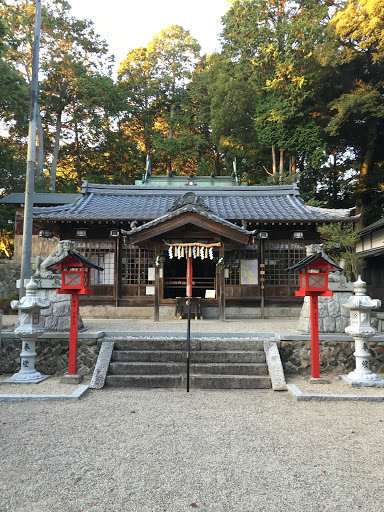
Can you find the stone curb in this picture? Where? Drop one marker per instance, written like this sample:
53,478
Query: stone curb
102,364
309,397
76,395
275,368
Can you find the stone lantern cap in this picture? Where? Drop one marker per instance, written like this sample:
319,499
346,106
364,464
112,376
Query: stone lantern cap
361,301
31,301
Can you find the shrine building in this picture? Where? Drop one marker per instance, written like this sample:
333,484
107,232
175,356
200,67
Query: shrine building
240,238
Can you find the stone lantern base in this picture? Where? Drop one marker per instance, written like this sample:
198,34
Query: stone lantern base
23,378
374,381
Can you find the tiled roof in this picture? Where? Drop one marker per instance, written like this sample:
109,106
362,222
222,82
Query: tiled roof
40,198
144,203
185,209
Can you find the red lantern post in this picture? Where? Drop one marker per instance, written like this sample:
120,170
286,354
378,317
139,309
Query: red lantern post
75,280
314,271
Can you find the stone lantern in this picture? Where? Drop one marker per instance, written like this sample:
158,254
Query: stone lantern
29,329
360,306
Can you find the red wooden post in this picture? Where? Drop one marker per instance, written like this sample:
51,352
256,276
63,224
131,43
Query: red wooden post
315,352
72,359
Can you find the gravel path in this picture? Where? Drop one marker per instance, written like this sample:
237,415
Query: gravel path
285,325
171,451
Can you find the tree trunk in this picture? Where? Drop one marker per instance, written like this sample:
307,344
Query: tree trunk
55,154
292,165
78,157
274,163
217,162
281,166
364,199
170,136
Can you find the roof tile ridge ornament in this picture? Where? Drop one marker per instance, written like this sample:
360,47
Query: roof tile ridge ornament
336,212
189,199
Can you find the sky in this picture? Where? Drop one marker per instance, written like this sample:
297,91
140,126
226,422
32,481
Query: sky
129,24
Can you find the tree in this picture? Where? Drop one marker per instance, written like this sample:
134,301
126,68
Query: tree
354,51
268,53
71,56
174,55
161,115
339,241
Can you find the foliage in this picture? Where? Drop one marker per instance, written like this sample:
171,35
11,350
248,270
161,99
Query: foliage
296,94
339,241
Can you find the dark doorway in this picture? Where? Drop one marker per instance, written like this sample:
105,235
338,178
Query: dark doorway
204,274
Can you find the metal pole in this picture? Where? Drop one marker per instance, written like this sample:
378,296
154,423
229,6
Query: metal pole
188,340
25,273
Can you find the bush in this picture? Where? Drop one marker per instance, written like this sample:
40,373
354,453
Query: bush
5,304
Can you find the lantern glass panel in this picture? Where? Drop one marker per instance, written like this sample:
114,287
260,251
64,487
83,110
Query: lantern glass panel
316,280
72,278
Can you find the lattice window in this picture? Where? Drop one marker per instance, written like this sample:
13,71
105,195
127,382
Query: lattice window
233,261
101,252
135,263
277,257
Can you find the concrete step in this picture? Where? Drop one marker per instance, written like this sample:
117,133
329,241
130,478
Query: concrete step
230,382
156,368
229,369
141,368
145,381
149,355
196,381
197,356
208,344
149,344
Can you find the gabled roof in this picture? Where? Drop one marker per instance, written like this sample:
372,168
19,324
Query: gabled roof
311,259
144,203
191,214
78,257
372,227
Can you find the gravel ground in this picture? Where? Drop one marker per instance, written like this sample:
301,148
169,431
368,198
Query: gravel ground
172,451
285,325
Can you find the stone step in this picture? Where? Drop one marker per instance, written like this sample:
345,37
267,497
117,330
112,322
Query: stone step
145,381
230,382
197,356
208,344
196,381
152,368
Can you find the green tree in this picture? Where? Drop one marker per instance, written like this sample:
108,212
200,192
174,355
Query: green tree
339,241
71,57
354,54
268,55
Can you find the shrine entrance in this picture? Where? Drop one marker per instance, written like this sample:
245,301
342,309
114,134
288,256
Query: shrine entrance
203,281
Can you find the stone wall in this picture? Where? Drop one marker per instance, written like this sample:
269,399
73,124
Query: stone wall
332,316
9,273
58,316
52,353
336,354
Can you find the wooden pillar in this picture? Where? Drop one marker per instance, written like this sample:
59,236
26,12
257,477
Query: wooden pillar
157,290
222,288
117,273
72,357
262,277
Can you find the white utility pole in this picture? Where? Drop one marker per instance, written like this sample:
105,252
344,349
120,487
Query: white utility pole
30,176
